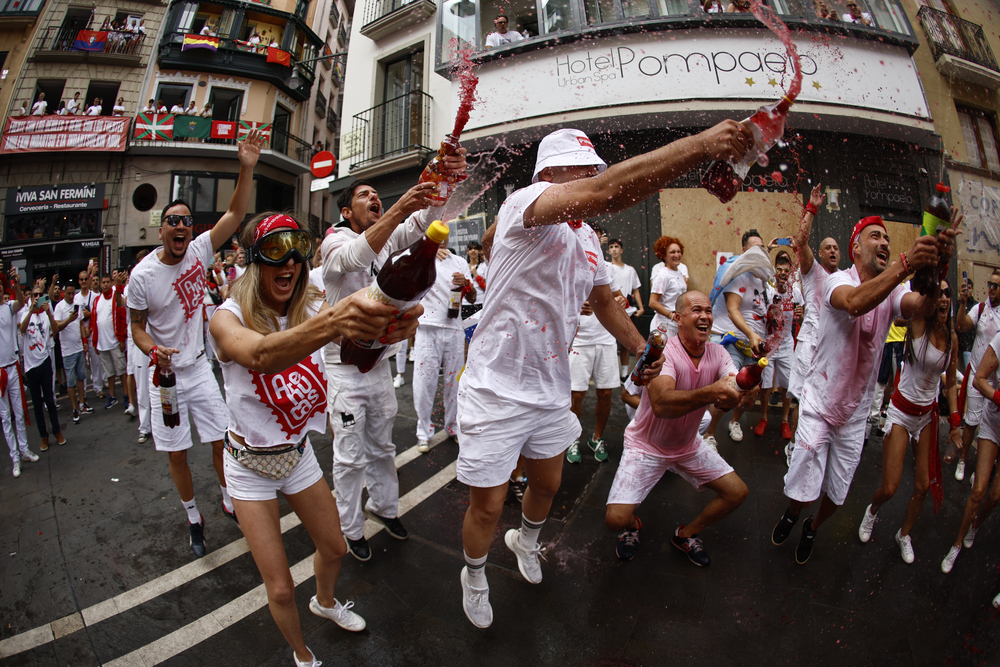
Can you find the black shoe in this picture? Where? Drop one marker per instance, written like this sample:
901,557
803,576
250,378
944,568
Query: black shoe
76,417
805,548
517,488
359,548
692,547
392,526
197,539
231,515
783,529
87,410
628,542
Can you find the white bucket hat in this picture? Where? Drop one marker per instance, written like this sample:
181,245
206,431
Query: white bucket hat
566,148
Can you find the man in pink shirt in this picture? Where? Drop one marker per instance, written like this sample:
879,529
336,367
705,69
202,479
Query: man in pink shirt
664,434
857,307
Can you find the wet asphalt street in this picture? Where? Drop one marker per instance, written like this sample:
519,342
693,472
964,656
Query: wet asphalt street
96,569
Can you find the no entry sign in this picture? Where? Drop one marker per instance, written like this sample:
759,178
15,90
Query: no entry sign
322,164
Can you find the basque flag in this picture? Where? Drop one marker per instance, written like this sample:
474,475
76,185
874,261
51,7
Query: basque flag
200,42
276,55
224,129
90,40
154,127
247,125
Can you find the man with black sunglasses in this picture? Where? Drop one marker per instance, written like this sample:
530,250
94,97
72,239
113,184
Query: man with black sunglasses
165,297
985,318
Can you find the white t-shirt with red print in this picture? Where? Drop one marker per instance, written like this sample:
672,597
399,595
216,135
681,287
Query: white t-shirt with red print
271,409
753,307
173,295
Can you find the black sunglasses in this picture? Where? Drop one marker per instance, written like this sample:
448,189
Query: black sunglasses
275,248
174,220
993,285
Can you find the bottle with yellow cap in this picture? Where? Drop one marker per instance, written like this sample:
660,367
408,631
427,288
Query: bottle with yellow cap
750,375
402,282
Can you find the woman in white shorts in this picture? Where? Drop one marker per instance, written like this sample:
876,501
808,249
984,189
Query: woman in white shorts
929,349
668,284
980,504
269,336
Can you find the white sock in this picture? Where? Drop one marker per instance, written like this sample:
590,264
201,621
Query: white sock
477,571
226,500
530,531
191,507
624,370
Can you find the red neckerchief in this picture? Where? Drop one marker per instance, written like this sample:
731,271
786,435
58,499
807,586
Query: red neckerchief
576,224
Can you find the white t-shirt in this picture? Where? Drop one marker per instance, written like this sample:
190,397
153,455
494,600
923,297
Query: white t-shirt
118,110
495,39
841,377
635,390
787,345
482,270
437,300
661,266
8,334
37,341
627,280
812,291
591,331
172,295
316,279
986,326
94,110
104,310
994,379
73,106
752,307
83,300
149,109
669,284
70,339
38,108
177,109
539,279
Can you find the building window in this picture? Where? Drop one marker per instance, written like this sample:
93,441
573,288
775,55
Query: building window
979,129
172,93
106,91
53,89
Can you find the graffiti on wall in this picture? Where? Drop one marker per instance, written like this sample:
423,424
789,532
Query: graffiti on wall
981,206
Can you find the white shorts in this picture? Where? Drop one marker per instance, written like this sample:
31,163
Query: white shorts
245,484
495,431
199,396
113,362
639,471
803,357
597,361
989,428
777,372
136,359
913,424
973,406
824,458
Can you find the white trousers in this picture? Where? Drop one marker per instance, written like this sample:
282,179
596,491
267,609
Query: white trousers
433,347
96,371
139,365
13,421
362,409
401,357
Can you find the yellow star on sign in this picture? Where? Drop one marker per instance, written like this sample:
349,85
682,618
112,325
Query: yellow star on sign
749,82
772,82
816,85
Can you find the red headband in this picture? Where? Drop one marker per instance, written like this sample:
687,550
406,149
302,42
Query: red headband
862,223
272,222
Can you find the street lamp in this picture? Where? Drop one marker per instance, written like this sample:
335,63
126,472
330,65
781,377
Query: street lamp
294,81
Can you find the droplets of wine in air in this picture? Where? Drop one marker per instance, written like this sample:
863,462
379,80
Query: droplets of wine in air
462,70
767,16
486,171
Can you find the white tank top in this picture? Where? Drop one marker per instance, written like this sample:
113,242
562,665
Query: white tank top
270,410
920,379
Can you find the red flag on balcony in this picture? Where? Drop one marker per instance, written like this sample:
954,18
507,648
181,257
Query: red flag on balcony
154,127
247,125
200,42
275,55
224,129
90,40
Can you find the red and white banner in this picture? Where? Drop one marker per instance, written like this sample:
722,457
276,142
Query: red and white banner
29,134
224,129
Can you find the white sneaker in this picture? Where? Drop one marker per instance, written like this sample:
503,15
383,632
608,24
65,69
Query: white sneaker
867,523
789,448
476,602
996,601
130,410
29,455
423,446
905,547
17,468
969,537
312,663
735,432
527,559
949,560
398,381
960,470
710,441
340,614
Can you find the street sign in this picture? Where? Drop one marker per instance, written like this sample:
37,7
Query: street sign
322,164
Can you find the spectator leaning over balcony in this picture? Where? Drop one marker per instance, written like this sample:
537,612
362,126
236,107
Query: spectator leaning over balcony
192,109
95,109
179,107
141,28
713,7
207,111
161,107
855,15
119,108
38,108
74,105
738,6
23,111
502,36
61,111
150,107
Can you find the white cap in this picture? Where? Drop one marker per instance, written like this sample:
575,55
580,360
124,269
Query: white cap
566,148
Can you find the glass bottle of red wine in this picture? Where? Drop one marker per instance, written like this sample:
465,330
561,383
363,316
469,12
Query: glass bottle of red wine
434,172
724,177
403,281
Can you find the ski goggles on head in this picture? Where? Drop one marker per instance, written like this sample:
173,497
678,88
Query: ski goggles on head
277,247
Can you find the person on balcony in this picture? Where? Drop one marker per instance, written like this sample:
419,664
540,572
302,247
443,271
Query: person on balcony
855,15
150,107
23,111
179,107
61,111
207,111
824,12
738,7
38,108
502,36
95,109
713,7
119,108
192,109
74,105
208,29
161,107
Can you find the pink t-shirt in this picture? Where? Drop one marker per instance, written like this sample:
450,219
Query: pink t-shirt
676,438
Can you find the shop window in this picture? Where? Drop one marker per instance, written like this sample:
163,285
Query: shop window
197,191
979,130
106,91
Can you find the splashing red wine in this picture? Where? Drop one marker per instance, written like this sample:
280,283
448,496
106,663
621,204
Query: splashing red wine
462,70
767,16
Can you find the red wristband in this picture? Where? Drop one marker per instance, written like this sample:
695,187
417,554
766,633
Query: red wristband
906,265
811,208
954,420
996,397
152,356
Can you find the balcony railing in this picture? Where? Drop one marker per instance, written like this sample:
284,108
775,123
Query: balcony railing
285,142
331,119
85,42
320,104
392,129
342,35
281,141
10,9
334,15
954,36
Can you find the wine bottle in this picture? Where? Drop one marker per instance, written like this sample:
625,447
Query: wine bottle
750,375
937,216
434,172
168,397
654,350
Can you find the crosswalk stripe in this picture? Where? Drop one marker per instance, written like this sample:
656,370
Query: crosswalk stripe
122,602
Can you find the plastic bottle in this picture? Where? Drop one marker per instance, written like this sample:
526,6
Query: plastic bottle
724,177
750,375
937,216
654,350
168,398
455,302
434,171
403,281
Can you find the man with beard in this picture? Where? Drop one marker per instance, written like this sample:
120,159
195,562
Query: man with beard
165,302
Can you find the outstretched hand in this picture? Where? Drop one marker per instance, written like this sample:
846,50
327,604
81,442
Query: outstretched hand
249,148
816,197
729,140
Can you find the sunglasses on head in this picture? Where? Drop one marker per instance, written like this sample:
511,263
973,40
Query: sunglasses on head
174,220
277,247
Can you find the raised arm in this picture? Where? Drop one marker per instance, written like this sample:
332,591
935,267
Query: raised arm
801,237
229,223
963,321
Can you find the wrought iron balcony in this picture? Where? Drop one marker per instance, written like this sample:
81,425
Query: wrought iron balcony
331,119
18,13
320,105
396,132
385,17
58,44
949,35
